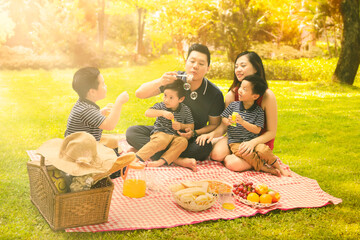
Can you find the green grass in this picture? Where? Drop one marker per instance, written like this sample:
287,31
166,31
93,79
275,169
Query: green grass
318,136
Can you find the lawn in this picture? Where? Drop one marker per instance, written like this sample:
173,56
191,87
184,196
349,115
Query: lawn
318,136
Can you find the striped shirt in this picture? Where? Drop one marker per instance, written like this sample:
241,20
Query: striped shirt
253,115
85,116
182,114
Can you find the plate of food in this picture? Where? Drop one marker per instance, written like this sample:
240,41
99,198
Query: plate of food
256,196
214,186
193,195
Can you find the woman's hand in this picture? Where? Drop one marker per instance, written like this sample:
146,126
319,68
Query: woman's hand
246,148
204,138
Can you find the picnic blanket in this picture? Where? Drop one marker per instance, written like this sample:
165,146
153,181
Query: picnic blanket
159,210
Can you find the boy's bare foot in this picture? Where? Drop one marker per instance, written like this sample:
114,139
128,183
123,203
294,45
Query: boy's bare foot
157,163
282,170
132,149
271,170
187,162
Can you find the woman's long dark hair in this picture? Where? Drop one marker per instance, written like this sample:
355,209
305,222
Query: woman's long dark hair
255,61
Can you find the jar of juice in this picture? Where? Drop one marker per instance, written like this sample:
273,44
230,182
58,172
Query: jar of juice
134,180
233,118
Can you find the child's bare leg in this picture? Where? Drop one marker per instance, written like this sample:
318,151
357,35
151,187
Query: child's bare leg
187,162
236,164
156,163
271,170
283,171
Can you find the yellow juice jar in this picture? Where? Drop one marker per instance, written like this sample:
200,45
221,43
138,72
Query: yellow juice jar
134,180
233,116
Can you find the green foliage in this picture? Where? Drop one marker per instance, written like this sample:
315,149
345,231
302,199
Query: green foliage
285,52
23,57
7,25
221,70
300,69
236,23
67,29
122,30
317,137
182,22
63,33
304,69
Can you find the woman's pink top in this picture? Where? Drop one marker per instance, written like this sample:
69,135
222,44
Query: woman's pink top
258,101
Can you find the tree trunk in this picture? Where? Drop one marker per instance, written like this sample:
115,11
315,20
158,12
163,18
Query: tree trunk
327,41
180,50
349,58
335,41
141,26
101,25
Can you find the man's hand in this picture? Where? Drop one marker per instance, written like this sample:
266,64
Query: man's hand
187,134
167,78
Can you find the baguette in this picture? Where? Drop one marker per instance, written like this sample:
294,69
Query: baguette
196,191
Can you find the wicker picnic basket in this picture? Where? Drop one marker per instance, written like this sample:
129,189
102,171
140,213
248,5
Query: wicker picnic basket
72,209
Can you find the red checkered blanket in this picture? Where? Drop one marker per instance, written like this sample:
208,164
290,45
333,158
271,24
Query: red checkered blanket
159,210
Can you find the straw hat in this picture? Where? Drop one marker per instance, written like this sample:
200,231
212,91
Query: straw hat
78,154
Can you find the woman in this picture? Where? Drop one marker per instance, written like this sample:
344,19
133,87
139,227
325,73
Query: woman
246,63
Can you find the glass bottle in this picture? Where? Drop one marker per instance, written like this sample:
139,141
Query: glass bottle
134,180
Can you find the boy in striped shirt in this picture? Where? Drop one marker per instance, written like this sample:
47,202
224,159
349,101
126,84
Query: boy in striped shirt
172,116
248,123
86,115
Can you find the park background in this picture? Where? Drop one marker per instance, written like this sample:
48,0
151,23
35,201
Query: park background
43,42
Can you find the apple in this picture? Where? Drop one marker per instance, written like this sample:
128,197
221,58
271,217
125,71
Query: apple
275,196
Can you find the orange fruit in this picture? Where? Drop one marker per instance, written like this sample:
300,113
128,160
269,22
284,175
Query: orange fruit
261,188
253,197
275,196
265,198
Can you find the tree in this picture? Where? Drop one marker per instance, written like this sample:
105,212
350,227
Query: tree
327,21
182,23
349,58
237,25
284,21
101,24
7,25
23,14
141,7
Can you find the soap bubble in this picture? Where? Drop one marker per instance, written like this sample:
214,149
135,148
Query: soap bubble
187,86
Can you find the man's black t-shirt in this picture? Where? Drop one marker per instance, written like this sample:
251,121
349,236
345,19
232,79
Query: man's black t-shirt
209,102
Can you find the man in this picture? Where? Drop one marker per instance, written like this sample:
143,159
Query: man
204,99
